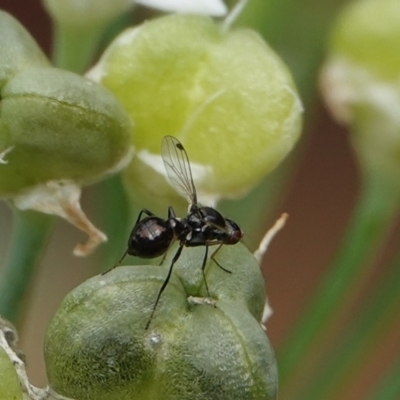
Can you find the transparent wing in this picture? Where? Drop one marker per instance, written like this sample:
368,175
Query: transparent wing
177,165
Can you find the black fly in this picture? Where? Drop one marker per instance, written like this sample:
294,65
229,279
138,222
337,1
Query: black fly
203,226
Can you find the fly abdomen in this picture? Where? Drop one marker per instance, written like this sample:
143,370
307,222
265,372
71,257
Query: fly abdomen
151,238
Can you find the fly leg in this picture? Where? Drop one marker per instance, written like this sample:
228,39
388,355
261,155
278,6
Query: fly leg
203,267
216,262
165,283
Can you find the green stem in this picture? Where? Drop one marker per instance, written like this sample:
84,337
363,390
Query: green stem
117,218
30,233
389,388
368,227
74,48
377,318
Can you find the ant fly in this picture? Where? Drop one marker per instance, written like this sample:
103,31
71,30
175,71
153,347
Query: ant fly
203,226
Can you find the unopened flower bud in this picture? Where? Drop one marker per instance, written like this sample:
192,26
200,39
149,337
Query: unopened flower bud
224,94
58,132
199,347
61,126
361,81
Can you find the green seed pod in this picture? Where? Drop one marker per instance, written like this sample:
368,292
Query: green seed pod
225,95
10,388
60,126
97,347
58,132
361,81
17,49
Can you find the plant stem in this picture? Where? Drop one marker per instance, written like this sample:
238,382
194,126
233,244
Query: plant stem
357,343
389,388
368,227
117,217
30,233
75,48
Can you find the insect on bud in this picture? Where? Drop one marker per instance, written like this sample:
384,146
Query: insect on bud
198,316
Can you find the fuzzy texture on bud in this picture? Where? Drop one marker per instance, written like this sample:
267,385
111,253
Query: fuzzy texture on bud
225,95
60,126
10,388
97,348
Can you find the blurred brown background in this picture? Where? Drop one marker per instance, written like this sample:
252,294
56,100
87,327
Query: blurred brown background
319,201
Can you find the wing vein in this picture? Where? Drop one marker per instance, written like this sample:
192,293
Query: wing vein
177,165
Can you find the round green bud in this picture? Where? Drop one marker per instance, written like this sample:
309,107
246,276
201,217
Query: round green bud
18,50
10,388
97,347
225,95
59,126
361,81
368,34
